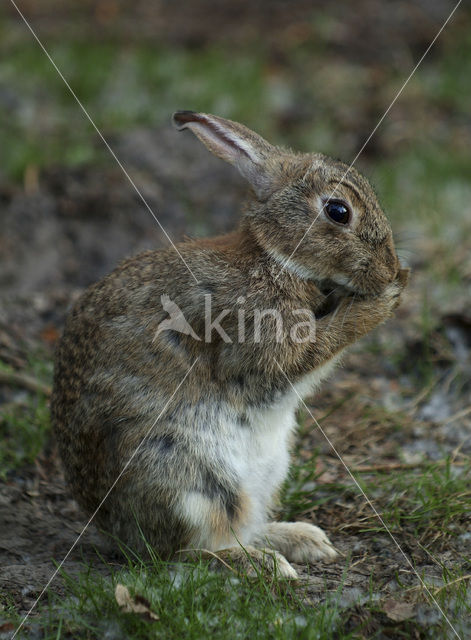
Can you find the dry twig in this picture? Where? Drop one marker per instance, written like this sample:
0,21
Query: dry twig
13,378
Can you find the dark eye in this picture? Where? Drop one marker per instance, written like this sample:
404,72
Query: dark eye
337,211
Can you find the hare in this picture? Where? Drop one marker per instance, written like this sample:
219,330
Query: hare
178,390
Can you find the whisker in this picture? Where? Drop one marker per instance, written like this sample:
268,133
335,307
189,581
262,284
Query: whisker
347,311
333,291
333,316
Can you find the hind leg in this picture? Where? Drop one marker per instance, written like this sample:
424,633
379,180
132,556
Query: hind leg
218,534
247,560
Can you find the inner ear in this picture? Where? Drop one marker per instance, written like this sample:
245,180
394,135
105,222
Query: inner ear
234,143
222,142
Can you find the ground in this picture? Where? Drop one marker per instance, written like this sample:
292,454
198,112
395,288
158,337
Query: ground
398,411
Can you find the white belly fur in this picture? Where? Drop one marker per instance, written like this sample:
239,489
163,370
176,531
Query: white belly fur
256,455
261,452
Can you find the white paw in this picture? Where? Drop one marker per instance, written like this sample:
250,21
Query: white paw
309,543
281,567
250,561
300,542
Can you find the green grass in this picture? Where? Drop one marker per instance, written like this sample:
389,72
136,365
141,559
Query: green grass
24,422
23,431
191,601
195,601
433,499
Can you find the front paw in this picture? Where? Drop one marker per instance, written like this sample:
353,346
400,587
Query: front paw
300,542
309,544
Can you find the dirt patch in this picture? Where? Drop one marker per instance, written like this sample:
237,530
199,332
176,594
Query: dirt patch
40,523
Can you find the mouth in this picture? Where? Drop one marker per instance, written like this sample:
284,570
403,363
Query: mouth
334,291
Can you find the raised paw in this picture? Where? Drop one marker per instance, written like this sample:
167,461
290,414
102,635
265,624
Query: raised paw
299,541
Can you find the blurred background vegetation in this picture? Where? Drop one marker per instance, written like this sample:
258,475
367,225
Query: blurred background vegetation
310,75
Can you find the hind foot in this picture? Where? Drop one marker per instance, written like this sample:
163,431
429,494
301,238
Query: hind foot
299,542
247,560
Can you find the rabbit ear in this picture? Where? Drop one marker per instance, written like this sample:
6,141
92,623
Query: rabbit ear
233,143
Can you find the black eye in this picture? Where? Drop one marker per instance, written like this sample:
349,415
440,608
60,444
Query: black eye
337,211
